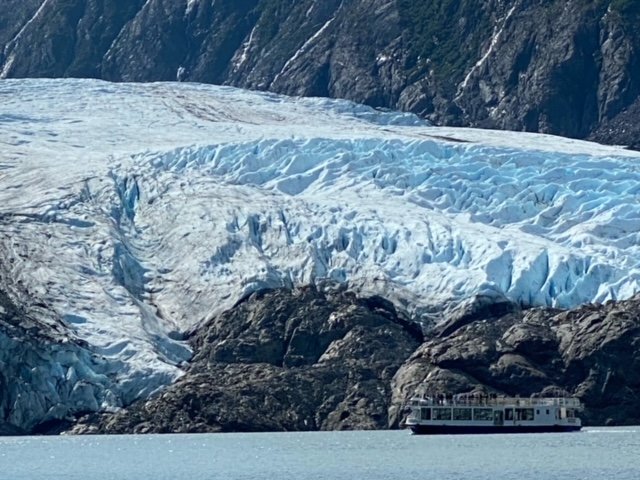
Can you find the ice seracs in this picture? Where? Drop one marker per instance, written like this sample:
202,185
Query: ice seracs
138,211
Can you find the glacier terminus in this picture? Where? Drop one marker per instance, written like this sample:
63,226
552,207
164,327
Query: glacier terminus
132,213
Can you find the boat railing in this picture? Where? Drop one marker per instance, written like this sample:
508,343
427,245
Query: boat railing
472,401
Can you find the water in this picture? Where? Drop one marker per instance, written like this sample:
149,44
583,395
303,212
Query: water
597,453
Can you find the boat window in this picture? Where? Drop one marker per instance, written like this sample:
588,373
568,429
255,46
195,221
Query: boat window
571,413
442,414
524,413
462,414
508,414
547,411
483,414
537,412
425,414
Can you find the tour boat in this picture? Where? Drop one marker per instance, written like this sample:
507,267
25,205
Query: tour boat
443,414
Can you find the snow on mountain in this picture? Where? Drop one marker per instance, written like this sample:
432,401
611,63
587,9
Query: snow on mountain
137,211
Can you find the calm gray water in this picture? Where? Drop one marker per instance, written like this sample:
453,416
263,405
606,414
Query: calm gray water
603,453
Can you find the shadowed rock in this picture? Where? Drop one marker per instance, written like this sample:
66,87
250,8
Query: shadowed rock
592,352
281,360
306,360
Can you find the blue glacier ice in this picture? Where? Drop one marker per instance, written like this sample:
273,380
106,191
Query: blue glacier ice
138,211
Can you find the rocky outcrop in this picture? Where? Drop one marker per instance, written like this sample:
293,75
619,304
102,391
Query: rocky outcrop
622,129
561,67
281,360
306,360
592,352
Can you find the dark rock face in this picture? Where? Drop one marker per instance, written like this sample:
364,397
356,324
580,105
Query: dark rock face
281,360
622,129
306,360
592,352
563,67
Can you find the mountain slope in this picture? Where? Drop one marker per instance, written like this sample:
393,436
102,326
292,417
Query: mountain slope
133,213
566,68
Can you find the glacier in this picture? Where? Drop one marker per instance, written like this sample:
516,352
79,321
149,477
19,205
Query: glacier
135,212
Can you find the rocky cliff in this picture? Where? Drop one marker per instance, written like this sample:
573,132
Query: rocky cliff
281,360
591,352
563,67
304,360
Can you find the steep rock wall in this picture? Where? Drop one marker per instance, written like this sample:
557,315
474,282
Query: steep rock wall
567,68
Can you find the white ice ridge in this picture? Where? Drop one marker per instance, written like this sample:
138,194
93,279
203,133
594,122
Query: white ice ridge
139,211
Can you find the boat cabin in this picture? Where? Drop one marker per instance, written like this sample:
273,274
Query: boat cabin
473,413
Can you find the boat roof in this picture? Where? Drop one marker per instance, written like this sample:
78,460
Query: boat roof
491,401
